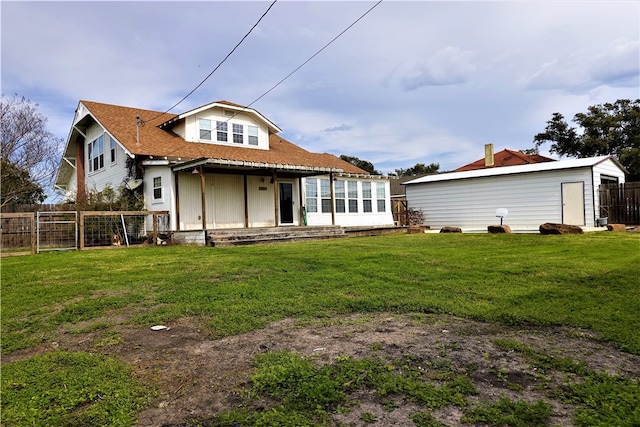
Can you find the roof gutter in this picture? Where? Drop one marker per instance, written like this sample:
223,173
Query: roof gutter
254,165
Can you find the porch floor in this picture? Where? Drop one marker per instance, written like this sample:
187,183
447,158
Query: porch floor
251,236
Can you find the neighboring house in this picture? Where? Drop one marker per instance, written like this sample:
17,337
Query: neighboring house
218,166
505,157
564,191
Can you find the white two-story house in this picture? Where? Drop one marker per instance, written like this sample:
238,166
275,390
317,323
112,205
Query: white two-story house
218,166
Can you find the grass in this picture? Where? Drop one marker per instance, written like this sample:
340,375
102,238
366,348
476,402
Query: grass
586,281
61,388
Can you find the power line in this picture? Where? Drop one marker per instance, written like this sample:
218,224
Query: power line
315,54
303,64
219,65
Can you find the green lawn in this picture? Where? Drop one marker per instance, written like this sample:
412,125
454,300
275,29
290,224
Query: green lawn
588,281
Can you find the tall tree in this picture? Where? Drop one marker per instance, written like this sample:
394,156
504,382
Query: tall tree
362,164
419,169
606,129
29,152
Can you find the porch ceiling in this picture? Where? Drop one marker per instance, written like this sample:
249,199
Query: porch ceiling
254,168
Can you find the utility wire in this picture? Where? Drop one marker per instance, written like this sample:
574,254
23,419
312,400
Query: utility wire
315,54
219,65
303,64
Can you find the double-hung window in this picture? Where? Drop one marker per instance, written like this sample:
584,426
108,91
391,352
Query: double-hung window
311,190
96,154
112,149
238,133
157,188
380,196
339,196
325,195
252,133
205,129
352,194
221,131
366,197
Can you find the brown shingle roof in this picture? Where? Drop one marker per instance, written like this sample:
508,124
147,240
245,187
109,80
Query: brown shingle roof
153,141
506,157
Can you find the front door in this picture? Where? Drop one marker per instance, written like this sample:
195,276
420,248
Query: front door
573,203
286,202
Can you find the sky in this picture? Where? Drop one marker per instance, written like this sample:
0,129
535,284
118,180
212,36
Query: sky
411,82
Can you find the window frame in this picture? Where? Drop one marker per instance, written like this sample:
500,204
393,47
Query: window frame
157,189
222,131
237,133
352,196
381,197
112,151
339,195
95,154
325,196
367,206
311,195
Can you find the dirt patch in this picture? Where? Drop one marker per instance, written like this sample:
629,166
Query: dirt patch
199,377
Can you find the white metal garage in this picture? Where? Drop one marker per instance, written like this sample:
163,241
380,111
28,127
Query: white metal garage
564,191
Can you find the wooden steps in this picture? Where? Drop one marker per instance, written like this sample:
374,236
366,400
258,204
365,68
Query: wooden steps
252,236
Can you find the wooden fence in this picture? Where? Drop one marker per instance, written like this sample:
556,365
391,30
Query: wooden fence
29,232
620,203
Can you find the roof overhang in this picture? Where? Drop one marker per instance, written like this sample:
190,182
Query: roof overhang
244,165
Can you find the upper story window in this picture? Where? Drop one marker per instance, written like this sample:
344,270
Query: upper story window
238,133
205,129
95,151
221,130
112,149
218,130
252,132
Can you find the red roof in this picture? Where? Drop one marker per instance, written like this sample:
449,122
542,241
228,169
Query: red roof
154,141
506,157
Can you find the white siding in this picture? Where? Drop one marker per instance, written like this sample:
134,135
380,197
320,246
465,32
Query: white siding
531,198
260,199
228,201
190,201
113,174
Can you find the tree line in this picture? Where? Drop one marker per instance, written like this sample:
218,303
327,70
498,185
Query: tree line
30,154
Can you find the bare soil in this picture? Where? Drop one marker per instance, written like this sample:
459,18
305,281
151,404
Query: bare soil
199,377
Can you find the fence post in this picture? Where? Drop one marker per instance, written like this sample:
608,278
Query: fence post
33,233
81,232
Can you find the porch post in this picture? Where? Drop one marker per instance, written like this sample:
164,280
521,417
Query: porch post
276,199
202,190
333,200
301,203
176,179
246,203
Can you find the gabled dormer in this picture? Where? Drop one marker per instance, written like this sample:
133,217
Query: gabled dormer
223,123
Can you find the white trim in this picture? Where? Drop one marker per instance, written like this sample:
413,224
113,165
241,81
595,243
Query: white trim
509,170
